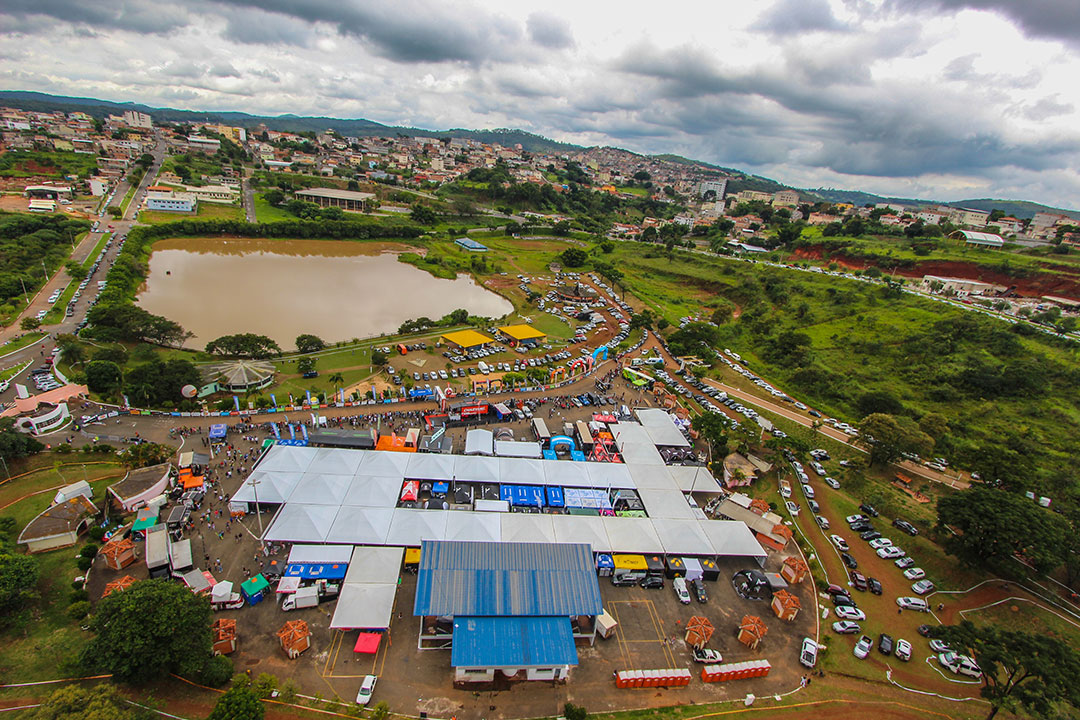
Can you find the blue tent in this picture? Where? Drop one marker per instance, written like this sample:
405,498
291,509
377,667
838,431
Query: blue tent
217,432
555,496
604,560
311,571
550,455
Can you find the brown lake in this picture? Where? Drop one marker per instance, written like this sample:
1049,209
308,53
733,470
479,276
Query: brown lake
337,290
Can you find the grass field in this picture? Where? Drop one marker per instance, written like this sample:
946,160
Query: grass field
265,212
207,211
19,343
127,199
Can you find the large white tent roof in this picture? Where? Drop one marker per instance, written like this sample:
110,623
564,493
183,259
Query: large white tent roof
731,537
569,473
581,529
666,504
527,527
682,537
410,526
653,477
375,565
287,458
333,461
476,468
364,606
298,522
661,427
273,487
479,441
381,462
692,478
328,554
374,491
475,527
612,475
635,444
319,489
634,535
360,525
430,466
522,471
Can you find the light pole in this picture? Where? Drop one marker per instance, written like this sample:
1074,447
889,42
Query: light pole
46,270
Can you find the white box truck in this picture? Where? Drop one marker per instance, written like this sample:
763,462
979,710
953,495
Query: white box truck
310,596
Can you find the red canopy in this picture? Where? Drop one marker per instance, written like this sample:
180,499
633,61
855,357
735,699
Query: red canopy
367,643
409,490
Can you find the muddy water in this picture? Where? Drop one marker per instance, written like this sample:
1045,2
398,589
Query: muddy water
283,288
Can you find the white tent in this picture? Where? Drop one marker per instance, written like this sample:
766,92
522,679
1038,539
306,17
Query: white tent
318,489
375,565
476,527
410,526
287,458
609,475
336,461
385,463
632,535
692,478
665,504
682,537
298,522
636,444
581,529
527,527
566,473
479,441
430,466
731,538
319,554
476,469
273,487
653,477
364,606
373,491
521,471
661,427
361,525
221,592
518,449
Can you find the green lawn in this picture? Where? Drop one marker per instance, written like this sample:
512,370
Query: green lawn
127,199
28,163
14,370
265,212
19,343
207,211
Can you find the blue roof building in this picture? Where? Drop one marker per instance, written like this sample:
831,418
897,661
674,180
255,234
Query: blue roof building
471,245
514,605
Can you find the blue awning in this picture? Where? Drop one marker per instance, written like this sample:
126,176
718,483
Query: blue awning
513,642
441,487
549,455
554,496
603,560
310,571
217,431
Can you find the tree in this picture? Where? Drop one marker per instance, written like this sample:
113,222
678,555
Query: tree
723,312
146,454
305,365
72,349
642,176
423,215
574,712
1022,671
309,343
18,583
100,702
29,323
788,233
148,631
14,444
243,345
336,378
987,527
879,401
238,703
714,429
274,196
889,437
934,424
378,357
573,257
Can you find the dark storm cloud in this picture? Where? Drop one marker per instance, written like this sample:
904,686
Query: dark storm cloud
408,31
254,27
1057,19
891,131
143,16
798,16
549,31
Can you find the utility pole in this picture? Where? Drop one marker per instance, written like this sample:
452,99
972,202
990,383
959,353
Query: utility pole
46,270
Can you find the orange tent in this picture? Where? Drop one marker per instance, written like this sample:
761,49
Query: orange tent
224,630
294,638
117,585
698,631
794,570
119,553
189,480
751,631
785,605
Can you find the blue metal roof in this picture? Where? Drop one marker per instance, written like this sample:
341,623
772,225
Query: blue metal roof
486,578
512,642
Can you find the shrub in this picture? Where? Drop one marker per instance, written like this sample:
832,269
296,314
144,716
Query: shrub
78,610
89,550
97,533
217,671
78,596
574,712
84,563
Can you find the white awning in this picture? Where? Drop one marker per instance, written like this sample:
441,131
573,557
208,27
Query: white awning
665,504
731,538
410,526
384,463
632,535
287,458
527,527
653,477
319,554
364,606
692,478
361,525
521,471
476,469
273,487
476,527
661,427
297,522
375,565
430,466
373,491
318,489
518,449
479,441
335,461
682,537
581,529
635,444
609,475
567,473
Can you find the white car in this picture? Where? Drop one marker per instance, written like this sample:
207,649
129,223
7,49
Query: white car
862,647
845,627
903,650
959,664
939,646
792,507
366,688
852,519
922,587
839,542
833,483
680,590
915,573
845,612
808,653
880,543
821,520
913,603
891,552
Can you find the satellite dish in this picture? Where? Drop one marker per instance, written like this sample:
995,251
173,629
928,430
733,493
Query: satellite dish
189,391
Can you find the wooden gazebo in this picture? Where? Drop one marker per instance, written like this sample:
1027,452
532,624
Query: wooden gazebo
117,585
751,631
785,605
224,630
794,570
698,631
118,553
294,637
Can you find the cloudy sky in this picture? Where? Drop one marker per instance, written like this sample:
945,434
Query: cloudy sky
948,99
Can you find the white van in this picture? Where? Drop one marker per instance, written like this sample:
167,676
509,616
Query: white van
484,367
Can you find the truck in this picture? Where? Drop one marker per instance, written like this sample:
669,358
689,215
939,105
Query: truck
310,595
157,551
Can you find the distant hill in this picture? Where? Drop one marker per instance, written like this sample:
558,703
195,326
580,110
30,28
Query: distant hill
530,142
1022,209
359,127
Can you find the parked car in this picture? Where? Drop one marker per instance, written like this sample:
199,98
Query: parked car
924,630
852,519
837,590
845,612
367,687
904,562
862,647
891,552
849,561
839,542
914,573
875,585
859,581
845,627
651,582
905,526
707,656
913,603
959,664
808,653
679,584
878,543
822,521
792,507
869,510
885,644
939,646
698,586
903,650
922,587
832,482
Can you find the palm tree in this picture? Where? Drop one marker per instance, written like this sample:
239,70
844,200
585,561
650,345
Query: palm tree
336,379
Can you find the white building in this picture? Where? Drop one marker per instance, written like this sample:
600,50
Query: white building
969,217
785,198
172,201
214,193
137,120
204,145
715,186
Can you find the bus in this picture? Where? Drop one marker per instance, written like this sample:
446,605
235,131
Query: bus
583,435
540,430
